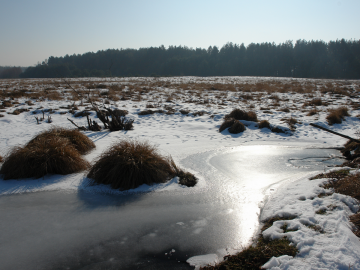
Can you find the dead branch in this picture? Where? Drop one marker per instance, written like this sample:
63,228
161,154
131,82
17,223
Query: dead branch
81,128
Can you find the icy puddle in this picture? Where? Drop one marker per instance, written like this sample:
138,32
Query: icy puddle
156,230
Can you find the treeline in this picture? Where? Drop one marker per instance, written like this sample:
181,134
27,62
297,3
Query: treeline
10,72
304,59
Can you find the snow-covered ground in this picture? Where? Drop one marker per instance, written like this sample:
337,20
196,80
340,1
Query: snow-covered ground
181,135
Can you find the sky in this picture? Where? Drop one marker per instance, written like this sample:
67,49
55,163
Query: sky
33,30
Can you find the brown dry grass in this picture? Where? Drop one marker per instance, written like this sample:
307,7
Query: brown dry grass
312,112
314,102
349,185
48,155
264,124
242,115
351,146
355,219
129,164
226,124
336,116
78,140
237,127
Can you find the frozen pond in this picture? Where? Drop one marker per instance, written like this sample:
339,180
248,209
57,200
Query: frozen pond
157,230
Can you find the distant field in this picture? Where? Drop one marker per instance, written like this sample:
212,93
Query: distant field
208,93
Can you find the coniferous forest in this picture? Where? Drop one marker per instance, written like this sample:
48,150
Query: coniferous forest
338,59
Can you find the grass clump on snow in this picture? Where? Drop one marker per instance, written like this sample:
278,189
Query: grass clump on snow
232,120
54,151
226,124
351,151
46,155
130,164
238,114
78,140
264,124
235,126
336,116
257,255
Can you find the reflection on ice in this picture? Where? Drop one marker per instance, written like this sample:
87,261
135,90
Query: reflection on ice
83,230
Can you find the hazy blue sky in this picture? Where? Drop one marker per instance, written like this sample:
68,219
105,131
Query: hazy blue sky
33,30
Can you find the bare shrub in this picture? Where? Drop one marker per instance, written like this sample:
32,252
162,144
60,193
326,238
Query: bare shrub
79,141
264,124
237,127
48,155
117,121
129,164
120,113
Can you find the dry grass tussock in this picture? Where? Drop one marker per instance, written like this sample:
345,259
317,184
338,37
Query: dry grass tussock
291,122
46,155
129,164
351,150
264,124
314,102
312,112
242,115
235,126
226,124
77,139
336,116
